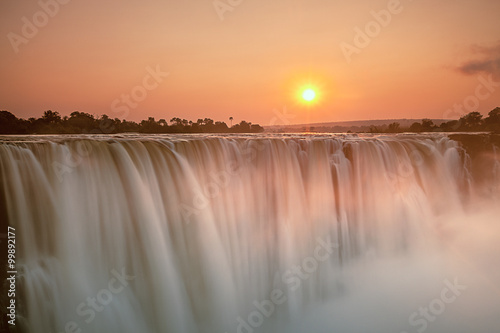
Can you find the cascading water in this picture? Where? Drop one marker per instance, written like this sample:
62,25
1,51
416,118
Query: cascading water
232,234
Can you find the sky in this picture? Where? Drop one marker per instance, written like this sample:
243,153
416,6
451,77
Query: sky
250,59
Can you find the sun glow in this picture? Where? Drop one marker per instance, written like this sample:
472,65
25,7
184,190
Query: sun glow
309,95
308,90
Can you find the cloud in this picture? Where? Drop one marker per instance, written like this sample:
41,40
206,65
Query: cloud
487,61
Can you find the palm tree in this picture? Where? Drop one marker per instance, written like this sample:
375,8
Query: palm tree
231,119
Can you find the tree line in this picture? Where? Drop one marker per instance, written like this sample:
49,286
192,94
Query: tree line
471,122
51,122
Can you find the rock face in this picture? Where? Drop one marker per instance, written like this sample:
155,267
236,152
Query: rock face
475,143
484,152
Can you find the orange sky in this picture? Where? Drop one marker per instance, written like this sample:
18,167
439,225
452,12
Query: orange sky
88,55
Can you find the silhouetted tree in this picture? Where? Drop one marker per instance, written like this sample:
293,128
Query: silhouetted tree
394,128
10,124
256,128
220,127
449,126
176,121
427,125
471,121
375,129
493,116
51,117
492,122
242,127
82,122
108,125
416,127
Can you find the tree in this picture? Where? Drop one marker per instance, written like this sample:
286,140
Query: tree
394,128
176,121
427,125
10,124
51,117
374,129
106,124
449,126
495,113
231,120
416,127
242,127
492,122
471,121
493,116
256,128
220,127
80,122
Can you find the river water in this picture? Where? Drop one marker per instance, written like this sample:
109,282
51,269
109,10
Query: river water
252,233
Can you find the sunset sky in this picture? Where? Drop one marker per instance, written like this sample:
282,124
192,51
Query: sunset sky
250,59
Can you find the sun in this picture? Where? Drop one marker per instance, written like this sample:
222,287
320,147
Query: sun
309,95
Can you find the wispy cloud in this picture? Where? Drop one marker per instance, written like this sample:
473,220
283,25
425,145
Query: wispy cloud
486,60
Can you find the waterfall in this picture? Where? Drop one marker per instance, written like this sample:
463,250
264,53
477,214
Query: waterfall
131,233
